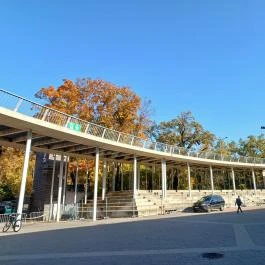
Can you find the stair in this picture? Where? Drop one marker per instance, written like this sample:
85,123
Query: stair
116,205
121,203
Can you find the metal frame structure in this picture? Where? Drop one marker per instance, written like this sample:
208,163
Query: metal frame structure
39,128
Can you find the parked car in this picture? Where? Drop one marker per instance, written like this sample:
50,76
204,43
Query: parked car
209,203
7,208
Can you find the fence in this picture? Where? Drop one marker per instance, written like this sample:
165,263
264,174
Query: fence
122,207
32,109
30,217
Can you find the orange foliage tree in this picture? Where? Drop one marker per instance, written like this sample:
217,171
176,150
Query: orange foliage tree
100,102
11,164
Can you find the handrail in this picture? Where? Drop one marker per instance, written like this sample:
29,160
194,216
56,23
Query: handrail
36,110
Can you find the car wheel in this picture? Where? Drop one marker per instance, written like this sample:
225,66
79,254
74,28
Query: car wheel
222,207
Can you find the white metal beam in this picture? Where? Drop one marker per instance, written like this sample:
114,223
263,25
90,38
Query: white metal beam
24,175
96,186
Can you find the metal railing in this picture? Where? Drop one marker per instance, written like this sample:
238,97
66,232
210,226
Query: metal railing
109,208
30,217
27,107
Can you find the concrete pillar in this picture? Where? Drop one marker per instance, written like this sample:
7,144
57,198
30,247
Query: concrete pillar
164,178
189,184
254,180
58,215
96,186
24,175
134,176
233,179
211,178
52,184
104,179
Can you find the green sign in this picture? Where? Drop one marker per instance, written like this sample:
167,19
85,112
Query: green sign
74,126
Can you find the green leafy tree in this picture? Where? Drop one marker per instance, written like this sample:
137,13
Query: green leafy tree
183,131
253,146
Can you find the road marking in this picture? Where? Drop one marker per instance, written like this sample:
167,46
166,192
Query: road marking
45,256
242,236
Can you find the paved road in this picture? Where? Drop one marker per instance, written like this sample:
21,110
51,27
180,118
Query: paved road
172,239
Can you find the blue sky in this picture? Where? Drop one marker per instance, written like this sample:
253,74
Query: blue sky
204,56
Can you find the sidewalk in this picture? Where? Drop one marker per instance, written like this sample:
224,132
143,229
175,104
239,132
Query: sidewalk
32,227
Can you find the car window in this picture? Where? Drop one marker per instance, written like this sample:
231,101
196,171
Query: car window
205,199
219,198
213,199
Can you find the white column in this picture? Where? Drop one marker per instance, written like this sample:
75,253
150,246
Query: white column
188,165
121,176
76,178
86,182
24,175
96,186
211,178
164,178
65,179
58,215
254,180
52,184
134,176
138,176
233,179
104,179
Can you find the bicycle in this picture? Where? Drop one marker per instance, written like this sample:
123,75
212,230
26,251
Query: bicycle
13,221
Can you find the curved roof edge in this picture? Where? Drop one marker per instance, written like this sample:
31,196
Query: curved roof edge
39,115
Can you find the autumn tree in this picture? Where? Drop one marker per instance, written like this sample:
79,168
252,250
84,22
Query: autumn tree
11,164
100,102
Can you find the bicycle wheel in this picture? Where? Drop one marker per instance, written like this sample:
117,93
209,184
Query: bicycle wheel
17,225
6,226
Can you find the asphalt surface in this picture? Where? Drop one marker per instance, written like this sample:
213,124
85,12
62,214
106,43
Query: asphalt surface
179,238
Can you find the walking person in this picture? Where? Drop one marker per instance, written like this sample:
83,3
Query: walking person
238,203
